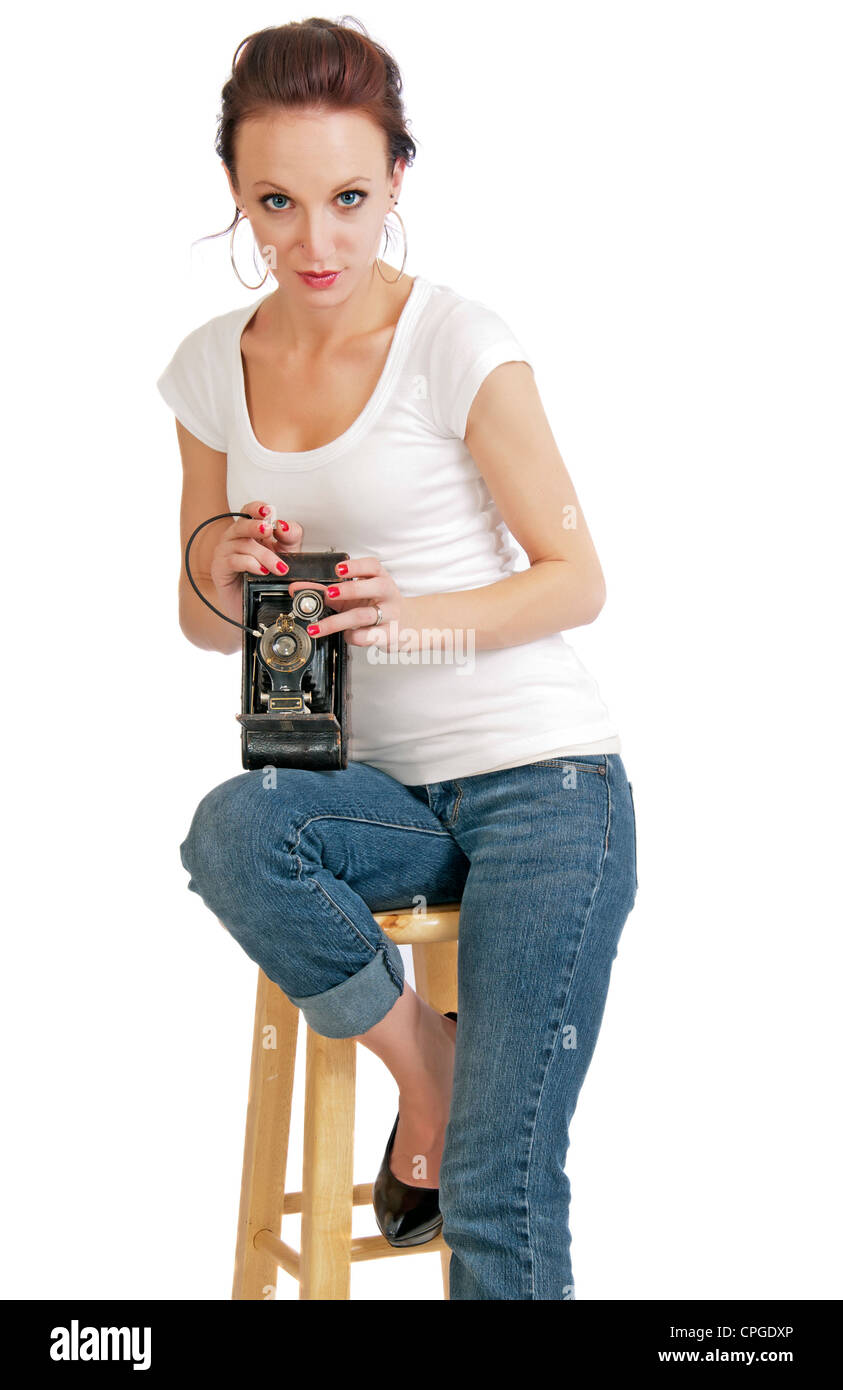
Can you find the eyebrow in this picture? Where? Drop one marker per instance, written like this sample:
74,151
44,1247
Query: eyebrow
356,178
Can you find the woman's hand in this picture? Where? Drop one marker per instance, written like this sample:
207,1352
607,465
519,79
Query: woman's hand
361,587
257,546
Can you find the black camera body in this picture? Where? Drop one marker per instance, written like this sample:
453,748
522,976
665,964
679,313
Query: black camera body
295,695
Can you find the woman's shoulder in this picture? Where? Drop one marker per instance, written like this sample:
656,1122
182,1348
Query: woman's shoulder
197,381
213,338
459,324
452,314
444,300
462,340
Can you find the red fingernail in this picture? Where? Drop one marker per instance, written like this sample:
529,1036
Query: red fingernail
264,570
333,592
262,527
313,630
282,567
342,569
284,526
263,511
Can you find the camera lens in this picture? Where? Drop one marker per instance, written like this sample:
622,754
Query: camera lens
285,644
307,604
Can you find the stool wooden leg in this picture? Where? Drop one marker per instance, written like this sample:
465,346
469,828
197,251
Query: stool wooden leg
267,1138
328,1167
435,971
445,1257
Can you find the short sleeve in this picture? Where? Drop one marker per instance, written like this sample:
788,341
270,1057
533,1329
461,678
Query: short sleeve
470,342
191,386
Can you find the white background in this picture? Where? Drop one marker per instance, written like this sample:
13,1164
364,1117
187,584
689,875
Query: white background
649,193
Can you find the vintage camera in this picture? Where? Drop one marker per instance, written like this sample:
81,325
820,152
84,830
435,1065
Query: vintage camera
295,695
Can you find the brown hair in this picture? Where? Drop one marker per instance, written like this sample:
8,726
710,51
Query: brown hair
307,63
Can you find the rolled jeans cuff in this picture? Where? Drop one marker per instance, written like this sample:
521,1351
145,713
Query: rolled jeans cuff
358,1003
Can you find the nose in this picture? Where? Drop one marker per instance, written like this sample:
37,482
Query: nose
316,237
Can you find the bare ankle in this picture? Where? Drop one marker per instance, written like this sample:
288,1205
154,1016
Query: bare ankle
416,1043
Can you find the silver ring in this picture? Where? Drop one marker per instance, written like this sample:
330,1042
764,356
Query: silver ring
378,619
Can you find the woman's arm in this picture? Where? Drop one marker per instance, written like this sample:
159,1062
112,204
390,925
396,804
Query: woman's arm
510,440
222,551
203,495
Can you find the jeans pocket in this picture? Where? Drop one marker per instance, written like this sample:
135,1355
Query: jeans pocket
589,762
634,837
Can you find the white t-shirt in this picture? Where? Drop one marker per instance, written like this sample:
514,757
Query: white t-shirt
401,484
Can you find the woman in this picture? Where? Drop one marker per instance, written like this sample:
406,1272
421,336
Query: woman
391,418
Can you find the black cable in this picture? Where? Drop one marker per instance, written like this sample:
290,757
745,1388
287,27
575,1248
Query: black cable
224,617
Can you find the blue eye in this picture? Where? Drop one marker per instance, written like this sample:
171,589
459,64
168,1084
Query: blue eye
268,201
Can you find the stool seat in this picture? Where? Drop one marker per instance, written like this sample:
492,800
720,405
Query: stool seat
322,1266
408,928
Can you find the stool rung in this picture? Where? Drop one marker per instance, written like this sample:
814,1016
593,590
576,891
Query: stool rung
283,1254
361,1197
360,1248
377,1247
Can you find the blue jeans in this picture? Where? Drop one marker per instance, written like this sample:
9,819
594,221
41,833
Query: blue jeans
543,858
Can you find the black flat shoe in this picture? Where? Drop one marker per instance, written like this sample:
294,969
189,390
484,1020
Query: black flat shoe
406,1215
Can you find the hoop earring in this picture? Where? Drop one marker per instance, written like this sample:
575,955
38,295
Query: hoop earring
231,253
404,262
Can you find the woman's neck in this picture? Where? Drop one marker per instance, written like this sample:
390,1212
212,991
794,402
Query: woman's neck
291,325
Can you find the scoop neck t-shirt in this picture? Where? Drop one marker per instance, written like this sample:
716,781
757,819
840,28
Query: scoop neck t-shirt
400,483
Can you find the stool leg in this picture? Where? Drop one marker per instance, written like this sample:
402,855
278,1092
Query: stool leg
445,1257
328,1167
267,1138
435,971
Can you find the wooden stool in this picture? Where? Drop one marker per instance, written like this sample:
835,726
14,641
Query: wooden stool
323,1265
